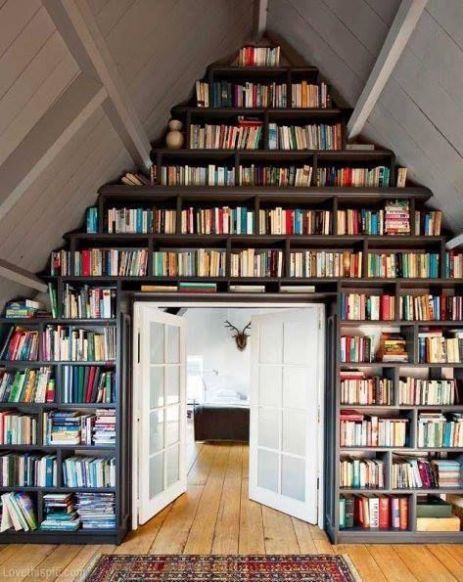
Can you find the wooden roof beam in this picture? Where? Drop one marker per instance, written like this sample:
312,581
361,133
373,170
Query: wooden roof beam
21,276
76,24
399,33
260,17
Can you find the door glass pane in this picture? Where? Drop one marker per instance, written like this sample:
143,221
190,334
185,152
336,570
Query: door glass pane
156,477
270,381
296,342
173,344
296,387
173,425
156,431
156,343
271,343
293,477
156,386
172,384
267,470
268,428
173,474
294,432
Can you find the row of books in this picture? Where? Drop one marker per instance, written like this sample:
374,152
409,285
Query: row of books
192,263
84,471
325,264
28,470
275,176
88,302
210,175
61,343
436,430
17,428
378,177
253,56
20,344
308,137
27,385
256,263
428,222
356,349
360,306
434,348
359,430
416,391
294,221
87,384
453,267
246,135
73,427
17,512
306,95
416,472
410,265
358,389
247,94
373,511
431,307
223,220
110,262
140,220
361,473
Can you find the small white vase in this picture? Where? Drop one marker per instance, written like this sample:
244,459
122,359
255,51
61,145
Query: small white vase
174,137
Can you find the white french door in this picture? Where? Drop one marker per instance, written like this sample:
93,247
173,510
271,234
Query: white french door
160,400
287,348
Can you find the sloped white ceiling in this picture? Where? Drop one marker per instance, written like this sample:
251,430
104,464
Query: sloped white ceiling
420,112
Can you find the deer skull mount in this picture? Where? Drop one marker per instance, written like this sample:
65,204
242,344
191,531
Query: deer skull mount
241,337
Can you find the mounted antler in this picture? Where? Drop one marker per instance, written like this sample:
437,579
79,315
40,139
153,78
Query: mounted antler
241,337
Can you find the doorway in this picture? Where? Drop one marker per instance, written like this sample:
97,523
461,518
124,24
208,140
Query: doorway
283,394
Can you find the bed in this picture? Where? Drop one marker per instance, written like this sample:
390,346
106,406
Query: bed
221,422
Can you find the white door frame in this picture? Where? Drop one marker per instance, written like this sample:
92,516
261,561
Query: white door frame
230,304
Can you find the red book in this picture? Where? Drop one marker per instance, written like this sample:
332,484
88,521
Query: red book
403,510
384,513
289,221
86,263
89,387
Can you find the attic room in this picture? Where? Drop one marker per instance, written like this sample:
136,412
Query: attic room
231,290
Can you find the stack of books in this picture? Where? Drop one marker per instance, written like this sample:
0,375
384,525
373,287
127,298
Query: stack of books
90,384
275,176
256,263
358,389
294,221
248,94
308,137
428,222
403,265
359,306
362,473
397,217
18,512
359,430
246,135
60,513
89,302
20,344
96,510
110,263
305,95
392,349
17,428
62,343
434,348
25,309
378,512
356,349
321,264
27,385
253,56
435,514
80,471
104,429
448,472
416,391
357,222
67,427
435,430
28,470
189,263
224,220
140,220
136,179
247,288
378,177
210,175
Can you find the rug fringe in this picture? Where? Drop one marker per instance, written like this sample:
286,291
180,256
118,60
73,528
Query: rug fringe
355,572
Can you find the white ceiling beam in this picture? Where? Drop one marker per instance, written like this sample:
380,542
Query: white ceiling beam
76,24
261,11
403,25
21,276
47,139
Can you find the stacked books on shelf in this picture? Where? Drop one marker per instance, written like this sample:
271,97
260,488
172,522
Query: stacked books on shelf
110,263
88,302
421,473
18,512
59,512
428,222
28,470
434,348
436,430
357,222
294,221
307,137
403,265
20,344
253,56
87,384
448,472
140,220
104,431
223,220
453,265
96,510
435,514
24,309
246,135
361,473
325,264
17,428
392,349
275,176
377,512
210,175
417,391
80,471
256,263
360,430
397,217
378,177
189,263
306,95
356,349
359,306
27,385
91,220
62,343
431,307
182,287
248,94
356,388
137,179
67,427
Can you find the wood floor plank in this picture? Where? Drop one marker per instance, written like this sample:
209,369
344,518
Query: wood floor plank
141,540
392,566
175,530
453,565
304,537
199,472
423,564
279,534
52,566
23,561
8,551
363,561
80,563
251,539
455,550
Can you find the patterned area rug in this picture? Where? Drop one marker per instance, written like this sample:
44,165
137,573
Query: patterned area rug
310,568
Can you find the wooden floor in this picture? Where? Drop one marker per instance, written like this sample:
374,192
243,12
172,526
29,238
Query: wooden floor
215,516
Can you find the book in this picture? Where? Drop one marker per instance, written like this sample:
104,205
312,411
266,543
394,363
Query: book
90,384
356,388
256,263
17,428
378,177
247,288
359,430
108,263
27,385
257,175
218,220
297,289
401,177
28,470
85,471
308,95
60,513
159,288
250,94
413,265
62,343
197,287
294,221
91,220
18,512
210,175
323,264
360,306
247,134
96,510
252,56
20,344
392,348
437,524
88,302
307,137
189,263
